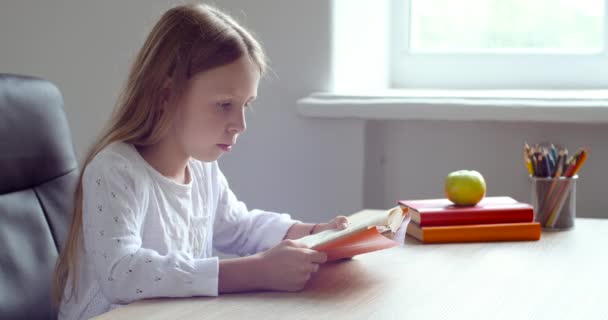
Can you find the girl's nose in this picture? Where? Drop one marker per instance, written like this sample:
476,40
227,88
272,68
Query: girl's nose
238,123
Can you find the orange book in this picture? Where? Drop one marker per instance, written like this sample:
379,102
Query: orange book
369,230
476,233
364,241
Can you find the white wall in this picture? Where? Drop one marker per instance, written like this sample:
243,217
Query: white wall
415,157
312,168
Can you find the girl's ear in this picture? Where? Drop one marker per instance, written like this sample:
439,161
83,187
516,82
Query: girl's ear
166,92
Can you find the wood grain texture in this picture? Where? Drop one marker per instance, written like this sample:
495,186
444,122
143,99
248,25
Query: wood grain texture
562,276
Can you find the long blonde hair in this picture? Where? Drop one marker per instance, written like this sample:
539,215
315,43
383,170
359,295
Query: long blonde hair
188,39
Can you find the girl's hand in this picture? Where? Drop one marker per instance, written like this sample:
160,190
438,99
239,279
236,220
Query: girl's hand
339,223
300,230
288,266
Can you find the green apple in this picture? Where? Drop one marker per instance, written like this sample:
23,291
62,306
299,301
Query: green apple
465,187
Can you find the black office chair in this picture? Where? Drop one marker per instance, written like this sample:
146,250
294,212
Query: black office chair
38,174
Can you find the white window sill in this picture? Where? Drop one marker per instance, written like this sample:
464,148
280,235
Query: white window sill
576,106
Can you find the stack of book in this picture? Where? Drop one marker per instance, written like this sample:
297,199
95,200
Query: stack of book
492,219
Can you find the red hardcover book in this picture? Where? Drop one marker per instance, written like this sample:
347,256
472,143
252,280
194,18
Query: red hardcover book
490,210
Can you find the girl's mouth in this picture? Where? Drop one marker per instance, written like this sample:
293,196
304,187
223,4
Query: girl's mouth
225,147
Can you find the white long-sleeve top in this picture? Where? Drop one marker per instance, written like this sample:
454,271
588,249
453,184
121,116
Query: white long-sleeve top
146,235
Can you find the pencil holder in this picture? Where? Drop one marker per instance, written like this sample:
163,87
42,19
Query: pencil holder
554,202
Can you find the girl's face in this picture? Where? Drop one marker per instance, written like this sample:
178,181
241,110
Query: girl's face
211,113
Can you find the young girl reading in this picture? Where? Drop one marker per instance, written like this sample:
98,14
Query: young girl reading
152,203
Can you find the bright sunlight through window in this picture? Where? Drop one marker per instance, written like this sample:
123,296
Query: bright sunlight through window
522,26
499,44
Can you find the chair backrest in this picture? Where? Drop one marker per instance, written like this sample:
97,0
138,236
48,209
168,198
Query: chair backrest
38,174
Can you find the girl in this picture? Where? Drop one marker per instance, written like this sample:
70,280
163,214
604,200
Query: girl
152,202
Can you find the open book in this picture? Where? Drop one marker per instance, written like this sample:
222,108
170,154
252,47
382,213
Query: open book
369,230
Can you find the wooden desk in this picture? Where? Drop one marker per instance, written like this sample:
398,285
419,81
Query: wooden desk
562,276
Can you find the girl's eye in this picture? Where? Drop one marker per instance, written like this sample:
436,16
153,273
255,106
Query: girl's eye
225,105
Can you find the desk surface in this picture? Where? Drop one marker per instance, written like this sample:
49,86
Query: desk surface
562,276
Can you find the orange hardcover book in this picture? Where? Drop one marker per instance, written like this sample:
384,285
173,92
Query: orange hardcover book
364,241
527,231
369,230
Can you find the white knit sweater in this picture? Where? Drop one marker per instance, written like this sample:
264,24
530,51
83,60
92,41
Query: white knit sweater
147,236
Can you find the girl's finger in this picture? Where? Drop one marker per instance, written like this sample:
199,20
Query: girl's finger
341,222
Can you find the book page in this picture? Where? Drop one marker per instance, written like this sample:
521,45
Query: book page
359,221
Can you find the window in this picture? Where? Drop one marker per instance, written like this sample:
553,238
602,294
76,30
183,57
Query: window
499,44
498,60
